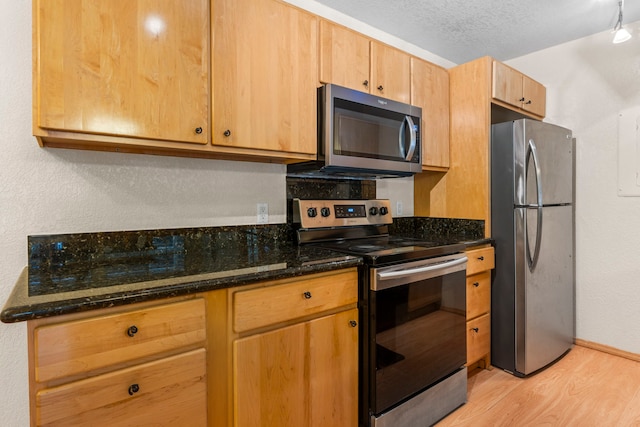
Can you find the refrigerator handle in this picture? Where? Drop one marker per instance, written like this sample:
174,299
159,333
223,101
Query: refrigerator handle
532,261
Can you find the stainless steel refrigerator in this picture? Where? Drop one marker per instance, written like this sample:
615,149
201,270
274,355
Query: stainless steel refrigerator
532,222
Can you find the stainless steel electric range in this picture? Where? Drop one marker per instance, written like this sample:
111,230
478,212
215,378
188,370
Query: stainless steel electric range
412,302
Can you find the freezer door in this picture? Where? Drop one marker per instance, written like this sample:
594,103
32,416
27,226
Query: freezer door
544,293
543,163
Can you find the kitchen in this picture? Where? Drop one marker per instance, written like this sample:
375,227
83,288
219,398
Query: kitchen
589,81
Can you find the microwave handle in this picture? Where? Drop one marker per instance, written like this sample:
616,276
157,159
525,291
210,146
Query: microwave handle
412,145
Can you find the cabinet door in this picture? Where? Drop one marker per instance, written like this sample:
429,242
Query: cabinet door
344,57
534,95
301,375
265,75
430,91
507,84
390,73
122,67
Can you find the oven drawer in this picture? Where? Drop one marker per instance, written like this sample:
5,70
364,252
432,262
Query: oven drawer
480,260
478,294
85,345
269,305
478,338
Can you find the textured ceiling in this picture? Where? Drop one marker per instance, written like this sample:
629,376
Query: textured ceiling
460,30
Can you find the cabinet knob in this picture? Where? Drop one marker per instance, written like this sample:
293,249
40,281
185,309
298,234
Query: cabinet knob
227,132
133,389
475,329
521,99
365,83
528,102
353,323
476,284
481,258
307,295
133,329
198,130
380,88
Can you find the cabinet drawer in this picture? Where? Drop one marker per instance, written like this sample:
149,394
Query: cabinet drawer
269,305
170,391
480,260
478,338
478,294
79,346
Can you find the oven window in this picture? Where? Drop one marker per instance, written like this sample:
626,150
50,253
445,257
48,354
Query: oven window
420,337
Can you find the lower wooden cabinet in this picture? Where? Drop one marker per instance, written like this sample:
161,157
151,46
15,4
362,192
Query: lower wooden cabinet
481,262
289,356
143,364
299,375
169,391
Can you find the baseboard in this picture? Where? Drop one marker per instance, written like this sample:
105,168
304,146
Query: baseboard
607,349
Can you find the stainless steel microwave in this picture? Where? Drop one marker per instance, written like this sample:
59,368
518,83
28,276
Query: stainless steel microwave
364,136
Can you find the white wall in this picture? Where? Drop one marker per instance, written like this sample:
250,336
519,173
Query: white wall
589,81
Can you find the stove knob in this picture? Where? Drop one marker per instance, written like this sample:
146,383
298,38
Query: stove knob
325,212
384,210
373,211
312,212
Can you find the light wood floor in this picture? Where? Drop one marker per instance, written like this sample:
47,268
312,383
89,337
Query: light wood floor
585,388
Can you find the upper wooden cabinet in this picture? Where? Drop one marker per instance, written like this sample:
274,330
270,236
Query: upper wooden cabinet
517,90
390,72
350,59
265,75
463,192
430,91
129,71
344,57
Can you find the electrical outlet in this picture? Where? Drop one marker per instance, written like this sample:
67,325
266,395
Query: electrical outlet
398,208
263,213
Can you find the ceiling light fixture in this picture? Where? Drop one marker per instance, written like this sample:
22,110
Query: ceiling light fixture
621,34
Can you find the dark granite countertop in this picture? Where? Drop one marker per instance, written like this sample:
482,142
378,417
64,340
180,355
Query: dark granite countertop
78,272
70,273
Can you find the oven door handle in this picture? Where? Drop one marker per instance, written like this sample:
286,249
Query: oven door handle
429,268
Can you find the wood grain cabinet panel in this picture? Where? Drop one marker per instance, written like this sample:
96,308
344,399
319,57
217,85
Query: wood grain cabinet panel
344,57
125,68
69,348
168,392
265,306
478,294
265,75
390,72
124,366
430,91
478,338
479,265
480,260
516,89
299,375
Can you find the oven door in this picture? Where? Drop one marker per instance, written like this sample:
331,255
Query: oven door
417,333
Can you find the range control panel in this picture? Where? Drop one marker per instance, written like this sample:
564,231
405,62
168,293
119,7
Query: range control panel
341,213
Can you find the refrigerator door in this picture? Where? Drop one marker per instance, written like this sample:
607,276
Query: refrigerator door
543,164
544,294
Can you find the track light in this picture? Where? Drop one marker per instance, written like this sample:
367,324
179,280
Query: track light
621,34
